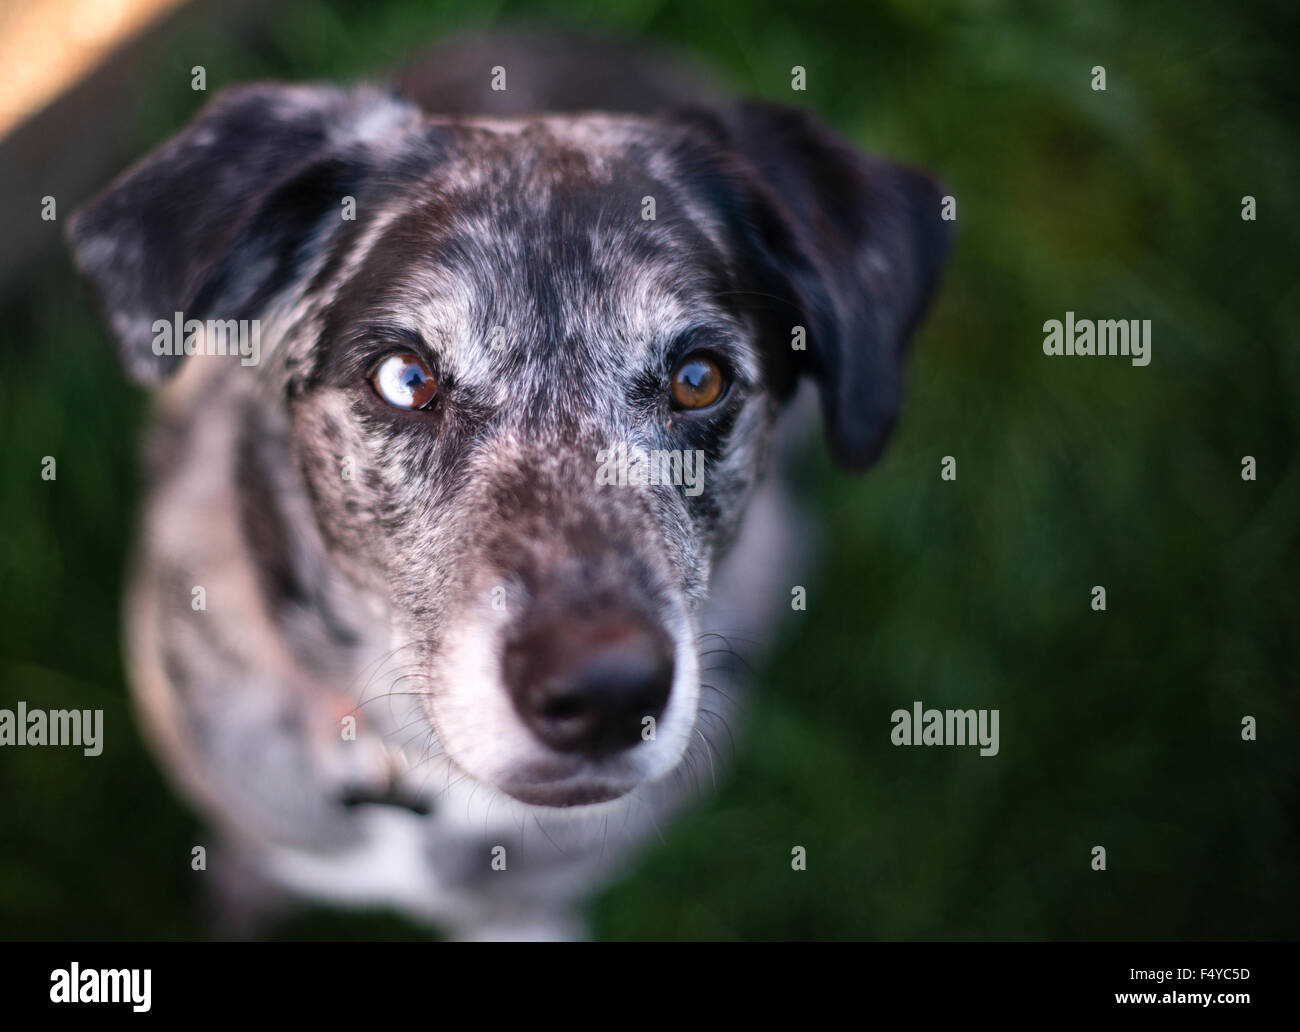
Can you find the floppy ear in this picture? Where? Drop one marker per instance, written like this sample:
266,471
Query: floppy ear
856,244
214,221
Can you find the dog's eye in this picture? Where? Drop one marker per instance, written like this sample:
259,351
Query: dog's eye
404,381
698,382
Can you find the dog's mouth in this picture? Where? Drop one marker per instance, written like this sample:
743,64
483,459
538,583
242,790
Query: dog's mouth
560,783
564,794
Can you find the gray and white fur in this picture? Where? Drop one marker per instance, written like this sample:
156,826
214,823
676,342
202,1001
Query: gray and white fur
424,578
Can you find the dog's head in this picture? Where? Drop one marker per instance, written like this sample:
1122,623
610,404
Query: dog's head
530,369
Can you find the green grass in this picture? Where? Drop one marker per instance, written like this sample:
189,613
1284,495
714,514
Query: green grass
1118,728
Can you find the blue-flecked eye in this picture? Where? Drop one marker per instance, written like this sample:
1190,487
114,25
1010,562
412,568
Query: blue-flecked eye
404,381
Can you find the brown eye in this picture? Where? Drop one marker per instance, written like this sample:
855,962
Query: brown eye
404,381
697,383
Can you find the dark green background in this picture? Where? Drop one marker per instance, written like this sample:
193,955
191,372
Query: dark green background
1120,728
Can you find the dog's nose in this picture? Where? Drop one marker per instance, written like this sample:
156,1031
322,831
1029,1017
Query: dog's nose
588,688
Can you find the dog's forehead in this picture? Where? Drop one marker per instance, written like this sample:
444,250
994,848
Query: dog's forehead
552,238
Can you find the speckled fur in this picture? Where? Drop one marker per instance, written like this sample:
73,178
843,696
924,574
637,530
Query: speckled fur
366,563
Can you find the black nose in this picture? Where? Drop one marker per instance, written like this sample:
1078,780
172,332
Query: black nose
587,688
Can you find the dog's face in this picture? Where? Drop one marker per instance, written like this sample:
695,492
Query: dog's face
530,384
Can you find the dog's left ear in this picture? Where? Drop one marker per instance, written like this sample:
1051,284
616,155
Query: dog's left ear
853,244
214,221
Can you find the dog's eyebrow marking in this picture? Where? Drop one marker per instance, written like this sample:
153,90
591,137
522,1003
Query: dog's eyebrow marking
362,345
384,334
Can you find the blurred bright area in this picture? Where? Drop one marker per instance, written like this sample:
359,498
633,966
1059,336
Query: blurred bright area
48,45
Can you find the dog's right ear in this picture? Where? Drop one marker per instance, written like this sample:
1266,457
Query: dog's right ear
852,245
217,218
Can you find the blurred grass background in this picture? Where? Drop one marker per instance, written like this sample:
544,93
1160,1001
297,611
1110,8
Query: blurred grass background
1119,729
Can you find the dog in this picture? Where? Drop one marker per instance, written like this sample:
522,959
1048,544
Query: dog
388,626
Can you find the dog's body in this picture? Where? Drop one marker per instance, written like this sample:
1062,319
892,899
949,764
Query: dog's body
382,646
